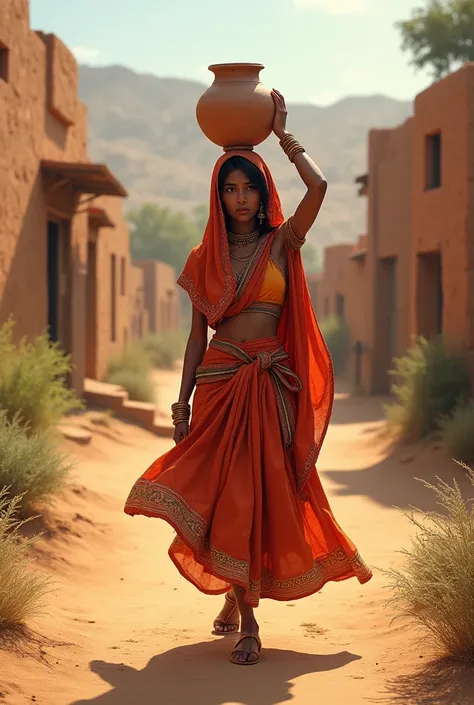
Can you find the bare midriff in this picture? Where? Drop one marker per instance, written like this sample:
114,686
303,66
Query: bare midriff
245,327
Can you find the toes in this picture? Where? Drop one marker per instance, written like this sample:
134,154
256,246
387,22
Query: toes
220,628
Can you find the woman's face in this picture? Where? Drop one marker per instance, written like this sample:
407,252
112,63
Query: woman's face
240,198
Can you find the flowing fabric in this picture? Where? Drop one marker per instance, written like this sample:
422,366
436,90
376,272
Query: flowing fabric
241,490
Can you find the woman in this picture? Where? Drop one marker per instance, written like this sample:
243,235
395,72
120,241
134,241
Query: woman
240,487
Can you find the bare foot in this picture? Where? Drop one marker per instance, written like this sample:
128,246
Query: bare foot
228,619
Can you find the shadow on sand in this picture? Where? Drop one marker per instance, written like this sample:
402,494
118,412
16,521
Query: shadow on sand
392,481
438,683
202,673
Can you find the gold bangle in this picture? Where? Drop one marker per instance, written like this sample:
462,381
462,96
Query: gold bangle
292,239
286,138
287,143
176,422
180,412
291,146
297,149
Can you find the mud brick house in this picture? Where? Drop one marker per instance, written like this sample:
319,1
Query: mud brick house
139,322
416,265
332,290
64,244
161,296
110,287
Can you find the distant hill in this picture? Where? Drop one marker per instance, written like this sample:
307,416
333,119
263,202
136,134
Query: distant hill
144,128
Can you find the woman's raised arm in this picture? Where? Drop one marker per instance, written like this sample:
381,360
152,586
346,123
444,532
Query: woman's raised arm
305,214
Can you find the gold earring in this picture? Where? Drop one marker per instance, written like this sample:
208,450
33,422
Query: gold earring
261,214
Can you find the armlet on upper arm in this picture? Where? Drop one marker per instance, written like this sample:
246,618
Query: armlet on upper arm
291,238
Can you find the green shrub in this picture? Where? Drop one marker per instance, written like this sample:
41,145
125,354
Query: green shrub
336,335
132,371
133,358
22,590
435,587
165,349
457,432
431,381
138,385
33,378
30,464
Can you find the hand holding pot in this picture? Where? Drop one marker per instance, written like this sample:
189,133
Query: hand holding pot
281,114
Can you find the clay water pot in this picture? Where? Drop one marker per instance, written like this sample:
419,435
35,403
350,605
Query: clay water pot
237,111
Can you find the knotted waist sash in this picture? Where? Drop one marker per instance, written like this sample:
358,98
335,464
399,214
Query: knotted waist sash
284,380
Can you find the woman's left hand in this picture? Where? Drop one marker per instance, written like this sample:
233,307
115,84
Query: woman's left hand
279,121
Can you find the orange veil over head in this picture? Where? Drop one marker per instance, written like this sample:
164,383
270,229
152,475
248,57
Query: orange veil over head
209,280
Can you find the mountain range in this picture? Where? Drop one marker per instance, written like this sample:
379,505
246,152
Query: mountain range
144,127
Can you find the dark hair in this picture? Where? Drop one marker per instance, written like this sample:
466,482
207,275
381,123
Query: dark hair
254,175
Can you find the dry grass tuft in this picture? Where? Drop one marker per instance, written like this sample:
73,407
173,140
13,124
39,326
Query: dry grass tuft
457,432
33,380
22,590
436,587
31,466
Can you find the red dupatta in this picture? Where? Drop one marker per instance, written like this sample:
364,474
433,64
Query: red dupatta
209,280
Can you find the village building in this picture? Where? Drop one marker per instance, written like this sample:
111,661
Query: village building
64,244
413,273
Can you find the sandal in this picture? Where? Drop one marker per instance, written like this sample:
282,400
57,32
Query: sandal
236,650
227,626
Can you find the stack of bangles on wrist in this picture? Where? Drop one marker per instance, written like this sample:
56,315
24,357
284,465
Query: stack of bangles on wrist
292,239
291,146
180,412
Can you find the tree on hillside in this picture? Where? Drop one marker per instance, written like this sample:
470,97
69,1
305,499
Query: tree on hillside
160,233
440,36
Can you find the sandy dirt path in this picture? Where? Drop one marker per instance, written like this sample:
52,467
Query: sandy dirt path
123,627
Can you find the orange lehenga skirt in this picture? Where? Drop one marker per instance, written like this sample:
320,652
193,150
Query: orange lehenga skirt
229,488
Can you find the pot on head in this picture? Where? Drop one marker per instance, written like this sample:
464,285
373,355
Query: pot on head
236,111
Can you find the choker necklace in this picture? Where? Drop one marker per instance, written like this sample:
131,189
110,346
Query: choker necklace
238,239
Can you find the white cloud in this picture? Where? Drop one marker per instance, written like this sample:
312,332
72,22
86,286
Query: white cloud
335,7
83,53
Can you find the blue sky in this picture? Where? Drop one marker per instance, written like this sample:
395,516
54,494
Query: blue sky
313,50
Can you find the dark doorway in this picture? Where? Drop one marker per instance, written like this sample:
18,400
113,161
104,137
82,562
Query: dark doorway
59,283
53,280
340,306
91,308
113,298
385,344
429,295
